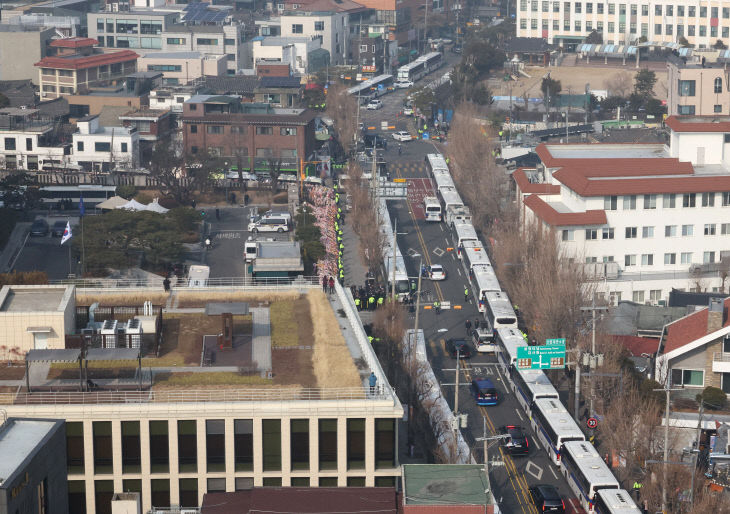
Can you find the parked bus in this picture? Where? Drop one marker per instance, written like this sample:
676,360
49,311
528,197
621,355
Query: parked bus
508,340
442,179
498,309
402,285
432,207
432,61
464,232
554,426
474,254
373,87
450,200
484,282
412,71
586,472
614,501
531,385
436,161
92,194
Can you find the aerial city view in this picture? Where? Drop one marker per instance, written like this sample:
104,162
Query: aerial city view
364,256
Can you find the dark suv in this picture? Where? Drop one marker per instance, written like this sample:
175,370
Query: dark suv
547,498
516,442
458,347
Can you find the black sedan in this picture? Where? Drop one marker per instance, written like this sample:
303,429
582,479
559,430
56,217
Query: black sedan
459,347
59,227
516,441
547,499
39,228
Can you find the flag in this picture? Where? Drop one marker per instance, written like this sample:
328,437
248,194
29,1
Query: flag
82,209
66,233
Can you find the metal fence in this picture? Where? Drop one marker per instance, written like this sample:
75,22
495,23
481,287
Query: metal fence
182,284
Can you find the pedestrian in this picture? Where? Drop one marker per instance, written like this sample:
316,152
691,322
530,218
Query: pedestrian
400,149
380,300
192,202
476,323
166,284
217,213
467,325
466,295
357,303
437,306
372,380
233,198
324,283
245,199
332,285
371,302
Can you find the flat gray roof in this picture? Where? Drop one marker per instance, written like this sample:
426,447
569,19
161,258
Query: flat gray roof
37,300
279,249
217,308
18,440
172,55
112,354
60,355
607,151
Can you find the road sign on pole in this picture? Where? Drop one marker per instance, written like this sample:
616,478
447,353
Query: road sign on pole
591,422
541,357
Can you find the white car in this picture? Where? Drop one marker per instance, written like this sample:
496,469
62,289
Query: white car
436,272
402,136
374,105
407,111
404,84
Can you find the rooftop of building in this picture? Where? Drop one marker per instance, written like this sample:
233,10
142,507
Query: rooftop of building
19,438
7,27
195,29
445,484
282,40
692,327
74,42
304,7
150,114
76,61
699,123
139,11
28,299
173,55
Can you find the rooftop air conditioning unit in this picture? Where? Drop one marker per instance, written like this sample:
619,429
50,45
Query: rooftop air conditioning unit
109,334
134,333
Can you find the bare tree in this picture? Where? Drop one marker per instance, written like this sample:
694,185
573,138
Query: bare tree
389,328
620,84
343,109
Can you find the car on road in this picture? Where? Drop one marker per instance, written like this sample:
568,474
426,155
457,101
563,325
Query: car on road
460,347
456,49
59,227
403,84
39,228
547,499
402,135
407,111
484,392
434,272
373,140
483,340
516,440
374,105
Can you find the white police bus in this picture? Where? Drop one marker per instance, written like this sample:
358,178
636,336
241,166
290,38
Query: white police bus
432,208
554,426
585,472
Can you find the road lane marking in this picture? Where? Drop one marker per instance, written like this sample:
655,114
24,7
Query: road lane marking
517,411
553,472
537,445
537,472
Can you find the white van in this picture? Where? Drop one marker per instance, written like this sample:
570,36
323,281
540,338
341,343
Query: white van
269,224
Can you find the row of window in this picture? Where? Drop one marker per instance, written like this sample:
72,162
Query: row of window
128,26
659,10
240,130
667,29
64,90
101,146
164,67
669,201
264,153
647,232
647,259
215,445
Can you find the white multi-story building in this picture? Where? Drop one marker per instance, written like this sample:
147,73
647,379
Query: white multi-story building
293,51
644,217
101,148
702,23
28,142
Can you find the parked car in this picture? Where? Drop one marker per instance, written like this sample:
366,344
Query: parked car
402,135
370,140
516,440
59,227
483,339
407,111
484,392
374,105
403,84
459,347
547,498
436,272
39,228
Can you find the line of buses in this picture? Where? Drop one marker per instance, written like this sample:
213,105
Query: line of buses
382,84
586,472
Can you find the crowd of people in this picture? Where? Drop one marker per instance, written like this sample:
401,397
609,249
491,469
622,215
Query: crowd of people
369,297
321,202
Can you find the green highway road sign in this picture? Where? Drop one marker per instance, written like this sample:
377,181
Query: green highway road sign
550,356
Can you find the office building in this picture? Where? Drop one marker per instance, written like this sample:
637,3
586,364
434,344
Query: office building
697,87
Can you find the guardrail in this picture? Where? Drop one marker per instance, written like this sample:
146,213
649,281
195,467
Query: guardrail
193,396
183,284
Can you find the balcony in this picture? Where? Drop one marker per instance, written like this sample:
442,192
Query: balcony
721,362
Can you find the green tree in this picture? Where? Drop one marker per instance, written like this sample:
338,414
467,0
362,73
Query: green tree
423,98
714,398
594,38
550,88
719,45
644,83
126,191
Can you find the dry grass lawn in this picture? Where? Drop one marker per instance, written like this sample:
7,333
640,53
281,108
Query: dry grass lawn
219,380
332,361
12,372
122,299
190,299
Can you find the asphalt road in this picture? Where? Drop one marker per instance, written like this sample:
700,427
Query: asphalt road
47,254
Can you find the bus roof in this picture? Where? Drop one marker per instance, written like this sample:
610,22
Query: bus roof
591,464
475,253
450,196
437,161
368,84
443,179
485,278
415,64
538,383
466,232
511,339
559,418
619,501
428,56
431,200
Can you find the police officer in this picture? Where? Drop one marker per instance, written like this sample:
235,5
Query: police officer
380,300
357,303
466,295
371,302
437,306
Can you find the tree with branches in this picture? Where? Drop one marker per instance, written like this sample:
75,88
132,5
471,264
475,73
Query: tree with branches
342,107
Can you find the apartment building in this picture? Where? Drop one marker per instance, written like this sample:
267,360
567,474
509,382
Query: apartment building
659,21
29,141
182,68
697,88
227,40
135,28
644,218
252,132
294,51
175,443
99,148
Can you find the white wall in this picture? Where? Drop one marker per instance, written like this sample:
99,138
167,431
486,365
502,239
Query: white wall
688,143
120,137
336,32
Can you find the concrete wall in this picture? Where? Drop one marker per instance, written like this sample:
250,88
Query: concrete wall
19,51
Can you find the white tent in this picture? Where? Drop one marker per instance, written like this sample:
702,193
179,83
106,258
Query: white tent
156,207
133,205
114,202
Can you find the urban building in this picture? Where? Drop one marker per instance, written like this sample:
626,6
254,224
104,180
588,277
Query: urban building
135,28
182,68
566,24
694,351
29,141
225,40
29,44
99,148
170,98
279,91
77,65
254,133
294,51
65,22
33,466
301,425
368,52
697,88
462,488
132,93
645,218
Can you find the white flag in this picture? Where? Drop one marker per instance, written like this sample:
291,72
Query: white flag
66,233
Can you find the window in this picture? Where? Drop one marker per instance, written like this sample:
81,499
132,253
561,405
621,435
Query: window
238,129
101,146
708,199
638,296
610,203
244,484
645,10
647,259
590,260
556,7
668,29
159,447
655,295
80,146
670,10
187,445
214,129
131,450
607,233
215,444
577,26
271,442
688,200
686,257
686,87
649,201
77,495
688,230
703,31
206,41
297,28
176,41
243,444
103,492
714,12
631,232
725,199
567,235
591,233
629,202
327,444
680,11
691,30
680,30
657,28
356,443
160,492
647,232
657,10
725,229
102,432
608,258
710,229
384,443
578,7
703,12
670,231
611,8
164,67
188,492
718,85
589,8
611,27
264,131
299,441
556,25
670,258
288,131
10,143
318,25
708,257
688,377
629,260
264,152
599,8
717,108
75,447
124,148
523,25
686,110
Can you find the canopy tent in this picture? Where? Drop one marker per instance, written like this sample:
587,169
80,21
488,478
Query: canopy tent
59,355
114,202
156,207
133,205
113,354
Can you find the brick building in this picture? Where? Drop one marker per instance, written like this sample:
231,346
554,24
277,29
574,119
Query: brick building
251,133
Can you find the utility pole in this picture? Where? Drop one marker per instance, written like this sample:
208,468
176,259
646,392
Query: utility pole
594,359
410,354
485,441
576,406
456,389
392,285
667,390
425,28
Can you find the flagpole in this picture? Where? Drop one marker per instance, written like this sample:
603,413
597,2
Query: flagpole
83,248
68,222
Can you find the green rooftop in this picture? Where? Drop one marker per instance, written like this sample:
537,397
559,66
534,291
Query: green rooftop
445,484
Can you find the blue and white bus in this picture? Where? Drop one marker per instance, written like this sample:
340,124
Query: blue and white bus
498,309
585,472
614,501
554,426
531,385
508,340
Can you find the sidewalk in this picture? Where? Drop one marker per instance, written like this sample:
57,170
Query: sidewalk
355,271
14,246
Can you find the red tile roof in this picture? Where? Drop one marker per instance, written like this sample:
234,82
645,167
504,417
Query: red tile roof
638,345
698,124
87,61
74,42
690,328
549,215
520,177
